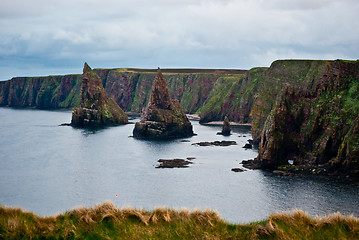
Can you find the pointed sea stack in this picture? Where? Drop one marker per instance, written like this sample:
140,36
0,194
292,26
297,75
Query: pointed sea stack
96,108
163,117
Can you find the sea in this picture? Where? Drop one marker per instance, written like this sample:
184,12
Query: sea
49,169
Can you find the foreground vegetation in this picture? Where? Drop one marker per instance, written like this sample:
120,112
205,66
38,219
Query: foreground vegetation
109,222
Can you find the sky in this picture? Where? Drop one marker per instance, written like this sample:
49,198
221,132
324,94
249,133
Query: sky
49,37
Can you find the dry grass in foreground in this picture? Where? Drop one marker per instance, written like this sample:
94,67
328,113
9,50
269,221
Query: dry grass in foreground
109,222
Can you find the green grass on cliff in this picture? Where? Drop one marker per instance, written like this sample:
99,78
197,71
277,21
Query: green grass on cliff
108,222
351,101
219,92
73,99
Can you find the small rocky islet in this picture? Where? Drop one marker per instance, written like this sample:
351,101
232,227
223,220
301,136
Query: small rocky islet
175,163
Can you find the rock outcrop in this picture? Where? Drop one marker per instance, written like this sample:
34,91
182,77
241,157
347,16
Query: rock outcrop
173,163
226,128
96,108
316,126
163,117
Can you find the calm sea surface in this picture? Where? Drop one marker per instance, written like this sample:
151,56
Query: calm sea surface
48,169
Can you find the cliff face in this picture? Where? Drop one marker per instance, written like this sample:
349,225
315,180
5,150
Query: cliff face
300,75
130,88
315,121
163,117
41,92
233,96
96,108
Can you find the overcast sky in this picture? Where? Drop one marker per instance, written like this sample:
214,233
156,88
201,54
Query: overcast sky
43,37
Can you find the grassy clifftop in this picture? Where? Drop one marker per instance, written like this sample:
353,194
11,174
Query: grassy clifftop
108,222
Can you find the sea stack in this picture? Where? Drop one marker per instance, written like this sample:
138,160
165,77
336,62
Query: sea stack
226,129
163,117
96,108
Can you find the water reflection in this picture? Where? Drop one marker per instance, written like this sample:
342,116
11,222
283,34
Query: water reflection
90,130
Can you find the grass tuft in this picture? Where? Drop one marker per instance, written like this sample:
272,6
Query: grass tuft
106,221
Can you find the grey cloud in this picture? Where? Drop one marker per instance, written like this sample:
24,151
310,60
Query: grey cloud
175,33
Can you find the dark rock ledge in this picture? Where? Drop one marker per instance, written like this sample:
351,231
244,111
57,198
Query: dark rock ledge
238,170
174,163
216,143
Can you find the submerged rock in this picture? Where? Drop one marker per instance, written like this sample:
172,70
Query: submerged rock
163,117
226,129
96,108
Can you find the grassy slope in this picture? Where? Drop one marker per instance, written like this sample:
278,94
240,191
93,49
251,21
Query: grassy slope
108,222
213,109
74,97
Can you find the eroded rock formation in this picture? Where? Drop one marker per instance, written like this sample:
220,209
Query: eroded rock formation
96,108
226,128
316,126
163,117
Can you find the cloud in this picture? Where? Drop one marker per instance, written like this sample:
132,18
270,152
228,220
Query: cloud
175,33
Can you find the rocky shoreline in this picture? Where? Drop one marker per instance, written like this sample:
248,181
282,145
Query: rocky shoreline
300,170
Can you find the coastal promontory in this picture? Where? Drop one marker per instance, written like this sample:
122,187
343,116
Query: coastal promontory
163,117
96,108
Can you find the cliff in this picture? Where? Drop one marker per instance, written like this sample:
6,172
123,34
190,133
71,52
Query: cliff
233,96
130,88
163,117
41,92
314,121
96,108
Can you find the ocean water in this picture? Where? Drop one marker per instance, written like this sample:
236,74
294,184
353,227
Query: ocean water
49,169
